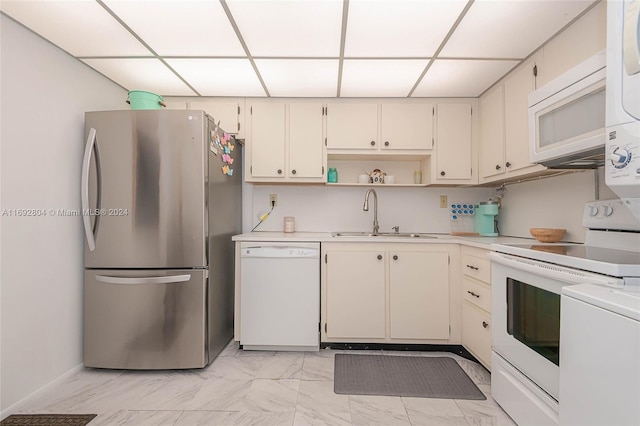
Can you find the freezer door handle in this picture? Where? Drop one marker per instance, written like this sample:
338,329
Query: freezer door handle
144,280
89,231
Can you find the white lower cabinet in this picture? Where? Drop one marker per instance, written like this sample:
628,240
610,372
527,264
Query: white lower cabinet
355,294
476,332
418,295
476,303
385,293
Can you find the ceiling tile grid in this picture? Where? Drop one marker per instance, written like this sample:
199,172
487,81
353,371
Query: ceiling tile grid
299,48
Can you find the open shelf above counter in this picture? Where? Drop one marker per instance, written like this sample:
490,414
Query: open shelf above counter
377,185
402,170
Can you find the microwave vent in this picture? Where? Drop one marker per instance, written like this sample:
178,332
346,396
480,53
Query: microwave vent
583,160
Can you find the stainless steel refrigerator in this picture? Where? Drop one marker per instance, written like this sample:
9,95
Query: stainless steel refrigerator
161,198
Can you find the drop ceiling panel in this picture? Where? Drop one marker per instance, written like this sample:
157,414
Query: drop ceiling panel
509,28
380,78
82,28
461,78
141,74
299,77
308,28
398,28
219,77
180,28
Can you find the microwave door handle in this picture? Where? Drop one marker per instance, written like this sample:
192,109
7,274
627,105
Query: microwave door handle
86,163
630,41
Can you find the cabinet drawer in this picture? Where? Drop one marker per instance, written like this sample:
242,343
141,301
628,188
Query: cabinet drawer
476,332
476,293
476,267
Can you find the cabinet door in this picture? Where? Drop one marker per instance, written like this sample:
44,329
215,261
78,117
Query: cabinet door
352,126
492,133
176,104
419,295
517,87
267,139
306,155
355,294
406,126
453,141
476,332
226,113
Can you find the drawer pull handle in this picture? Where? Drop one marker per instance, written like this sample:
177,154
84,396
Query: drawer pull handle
485,324
473,294
395,257
379,257
475,268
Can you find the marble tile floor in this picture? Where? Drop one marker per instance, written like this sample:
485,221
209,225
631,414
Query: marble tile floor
257,388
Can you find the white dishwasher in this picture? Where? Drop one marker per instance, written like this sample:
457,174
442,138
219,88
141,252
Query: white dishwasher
280,296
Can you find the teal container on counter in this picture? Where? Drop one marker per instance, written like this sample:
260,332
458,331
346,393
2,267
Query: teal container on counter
332,175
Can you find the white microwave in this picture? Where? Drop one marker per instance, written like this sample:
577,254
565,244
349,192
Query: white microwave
567,117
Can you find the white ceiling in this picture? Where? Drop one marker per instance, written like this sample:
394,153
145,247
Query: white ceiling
299,48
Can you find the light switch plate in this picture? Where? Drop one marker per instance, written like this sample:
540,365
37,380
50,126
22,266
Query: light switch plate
443,202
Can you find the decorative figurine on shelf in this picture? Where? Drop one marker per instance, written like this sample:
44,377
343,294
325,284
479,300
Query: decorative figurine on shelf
376,176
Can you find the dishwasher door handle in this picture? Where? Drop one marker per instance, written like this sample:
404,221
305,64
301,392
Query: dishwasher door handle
280,252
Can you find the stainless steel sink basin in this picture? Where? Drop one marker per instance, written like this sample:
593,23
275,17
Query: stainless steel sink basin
382,234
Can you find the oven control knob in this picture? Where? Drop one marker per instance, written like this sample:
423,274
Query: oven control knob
620,157
593,211
607,210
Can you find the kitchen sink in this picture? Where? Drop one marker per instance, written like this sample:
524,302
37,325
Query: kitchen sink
382,234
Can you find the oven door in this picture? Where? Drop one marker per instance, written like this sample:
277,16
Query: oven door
526,314
526,320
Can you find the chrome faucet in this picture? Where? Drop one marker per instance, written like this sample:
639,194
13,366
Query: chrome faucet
365,207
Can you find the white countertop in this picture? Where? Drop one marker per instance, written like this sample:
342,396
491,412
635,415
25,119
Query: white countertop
325,237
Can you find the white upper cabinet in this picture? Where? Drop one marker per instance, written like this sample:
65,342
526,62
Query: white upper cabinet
176,104
506,107
517,87
352,126
406,126
225,112
267,140
306,152
285,142
491,157
453,143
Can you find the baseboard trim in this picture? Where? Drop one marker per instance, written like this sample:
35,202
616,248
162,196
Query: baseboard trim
455,349
24,401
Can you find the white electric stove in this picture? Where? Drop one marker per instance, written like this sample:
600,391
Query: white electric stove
539,291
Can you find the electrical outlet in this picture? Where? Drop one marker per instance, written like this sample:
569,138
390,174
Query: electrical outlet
443,202
273,199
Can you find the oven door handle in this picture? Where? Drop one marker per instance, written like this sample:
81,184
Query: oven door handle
568,275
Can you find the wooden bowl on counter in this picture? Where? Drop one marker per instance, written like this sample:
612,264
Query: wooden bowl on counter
548,235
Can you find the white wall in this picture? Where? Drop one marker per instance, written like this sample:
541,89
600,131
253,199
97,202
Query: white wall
552,202
555,202
319,208
45,93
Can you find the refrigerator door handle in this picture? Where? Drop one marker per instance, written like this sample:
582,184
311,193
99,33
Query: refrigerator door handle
144,280
86,163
